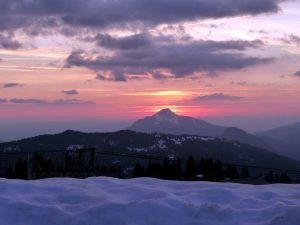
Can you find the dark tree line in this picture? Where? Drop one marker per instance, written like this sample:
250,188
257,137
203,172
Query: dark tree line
41,167
82,160
79,164
169,170
205,169
82,164
19,171
278,178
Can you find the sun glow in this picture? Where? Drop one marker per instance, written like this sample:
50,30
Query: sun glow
175,109
160,93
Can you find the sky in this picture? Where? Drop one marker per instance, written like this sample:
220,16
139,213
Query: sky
120,60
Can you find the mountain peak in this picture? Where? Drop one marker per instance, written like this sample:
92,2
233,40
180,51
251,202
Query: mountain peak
168,122
166,113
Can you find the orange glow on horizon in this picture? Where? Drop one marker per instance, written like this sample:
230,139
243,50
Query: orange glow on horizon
159,93
175,109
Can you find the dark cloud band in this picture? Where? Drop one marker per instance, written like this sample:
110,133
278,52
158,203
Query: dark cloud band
44,102
70,92
102,13
7,42
179,59
11,85
297,74
216,97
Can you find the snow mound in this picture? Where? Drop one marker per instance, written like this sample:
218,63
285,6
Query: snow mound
97,201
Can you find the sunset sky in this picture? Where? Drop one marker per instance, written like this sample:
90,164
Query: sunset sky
106,60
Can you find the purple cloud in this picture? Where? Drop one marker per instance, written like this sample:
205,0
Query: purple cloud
297,73
216,97
7,42
241,83
44,102
70,92
70,102
292,39
27,101
180,59
2,100
125,13
11,85
130,42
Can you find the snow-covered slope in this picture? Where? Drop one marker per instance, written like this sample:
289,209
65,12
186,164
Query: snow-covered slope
97,201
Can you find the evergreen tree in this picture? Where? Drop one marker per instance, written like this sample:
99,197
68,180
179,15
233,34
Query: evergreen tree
91,162
190,171
9,174
138,170
154,170
166,169
21,170
175,170
284,178
69,162
218,169
245,172
49,166
38,165
211,170
270,177
232,172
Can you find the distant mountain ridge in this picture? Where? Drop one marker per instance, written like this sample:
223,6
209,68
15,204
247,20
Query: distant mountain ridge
284,141
165,145
236,134
166,121
289,133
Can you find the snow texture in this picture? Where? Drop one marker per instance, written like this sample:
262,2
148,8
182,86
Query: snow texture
137,149
166,116
74,147
97,201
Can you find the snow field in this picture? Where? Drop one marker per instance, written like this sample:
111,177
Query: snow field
109,201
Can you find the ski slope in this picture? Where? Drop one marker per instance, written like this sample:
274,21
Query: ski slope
109,201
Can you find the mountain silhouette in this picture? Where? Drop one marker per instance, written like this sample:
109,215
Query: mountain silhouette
284,140
166,121
164,145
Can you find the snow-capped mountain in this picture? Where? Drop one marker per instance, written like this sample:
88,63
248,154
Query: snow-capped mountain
282,141
166,121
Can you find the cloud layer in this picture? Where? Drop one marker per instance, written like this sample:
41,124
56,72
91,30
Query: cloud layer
70,92
102,13
2,100
216,97
44,102
7,42
159,59
297,73
141,55
11,85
